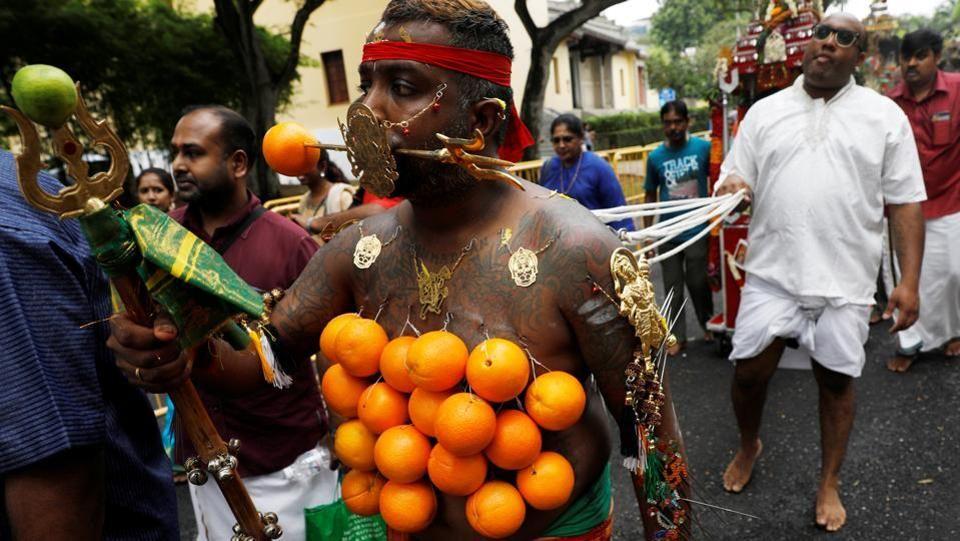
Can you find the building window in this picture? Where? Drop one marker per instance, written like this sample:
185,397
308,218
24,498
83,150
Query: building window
556,75
336,77
623,91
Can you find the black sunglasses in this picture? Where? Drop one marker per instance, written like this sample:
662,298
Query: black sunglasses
565,139
845,38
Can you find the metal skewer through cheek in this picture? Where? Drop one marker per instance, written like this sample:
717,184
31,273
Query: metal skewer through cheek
373,161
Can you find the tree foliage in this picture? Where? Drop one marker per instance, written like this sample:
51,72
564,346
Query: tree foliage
139,62
945,19
680,24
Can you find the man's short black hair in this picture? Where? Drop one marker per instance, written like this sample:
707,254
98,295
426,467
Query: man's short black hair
236,133
921,40
678,107
574,124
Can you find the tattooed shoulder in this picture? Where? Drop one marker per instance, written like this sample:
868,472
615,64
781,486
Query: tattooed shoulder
325,288
579,272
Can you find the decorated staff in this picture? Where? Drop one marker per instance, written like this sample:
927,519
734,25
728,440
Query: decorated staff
152,262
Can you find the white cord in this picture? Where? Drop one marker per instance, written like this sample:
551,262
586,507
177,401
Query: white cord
683,222
693,212
656,208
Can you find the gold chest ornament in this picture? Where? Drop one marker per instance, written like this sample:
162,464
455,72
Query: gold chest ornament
367,251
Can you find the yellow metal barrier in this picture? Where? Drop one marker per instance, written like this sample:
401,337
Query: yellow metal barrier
629,163
282,201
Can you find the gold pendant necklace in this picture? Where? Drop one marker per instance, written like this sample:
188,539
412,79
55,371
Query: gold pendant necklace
524,265
368,248
432,286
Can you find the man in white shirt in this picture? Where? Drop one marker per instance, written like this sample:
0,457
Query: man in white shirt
819,161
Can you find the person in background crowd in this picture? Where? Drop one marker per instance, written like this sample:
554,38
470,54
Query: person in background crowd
815,241
931,99
677,169
588,136
328,192
155,187
214,150
369,205
80,453
579,174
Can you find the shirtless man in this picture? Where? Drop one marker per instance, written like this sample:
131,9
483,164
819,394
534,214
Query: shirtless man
565,322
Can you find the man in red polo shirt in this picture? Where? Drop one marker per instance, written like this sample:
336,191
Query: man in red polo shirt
931,100
214,149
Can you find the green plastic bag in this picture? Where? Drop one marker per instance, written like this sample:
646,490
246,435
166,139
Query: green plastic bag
334,522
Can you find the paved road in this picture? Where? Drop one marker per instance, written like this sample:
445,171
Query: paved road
901,477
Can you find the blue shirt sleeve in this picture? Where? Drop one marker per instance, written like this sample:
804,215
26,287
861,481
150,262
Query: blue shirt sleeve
611,193
547,174
51,398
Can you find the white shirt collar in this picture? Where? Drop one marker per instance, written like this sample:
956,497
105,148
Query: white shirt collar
798,88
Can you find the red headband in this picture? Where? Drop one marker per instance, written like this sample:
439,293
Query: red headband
491,67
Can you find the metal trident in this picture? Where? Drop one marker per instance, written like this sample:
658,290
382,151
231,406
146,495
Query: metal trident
88,193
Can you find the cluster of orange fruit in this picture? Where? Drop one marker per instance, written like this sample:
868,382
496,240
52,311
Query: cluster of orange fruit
417,430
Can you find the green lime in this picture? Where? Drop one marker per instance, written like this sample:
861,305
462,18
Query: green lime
46,94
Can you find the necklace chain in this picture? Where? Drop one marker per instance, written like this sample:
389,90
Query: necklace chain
406,123
576,173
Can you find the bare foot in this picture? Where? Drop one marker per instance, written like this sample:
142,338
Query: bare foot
899,363
830,512
953,348
738,472
676,348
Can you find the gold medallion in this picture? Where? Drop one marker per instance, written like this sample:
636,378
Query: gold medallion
524,263
638,303
523,266
367,251
432,288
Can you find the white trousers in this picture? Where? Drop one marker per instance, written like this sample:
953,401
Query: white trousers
939,320
284,494
833,331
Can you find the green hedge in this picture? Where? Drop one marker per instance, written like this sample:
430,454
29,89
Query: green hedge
638,128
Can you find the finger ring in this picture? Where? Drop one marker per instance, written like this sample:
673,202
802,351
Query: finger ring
139,375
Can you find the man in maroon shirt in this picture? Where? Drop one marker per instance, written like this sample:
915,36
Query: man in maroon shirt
214,149
931,100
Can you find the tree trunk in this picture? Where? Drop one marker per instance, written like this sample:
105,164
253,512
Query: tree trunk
262,87
533,94
260,110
